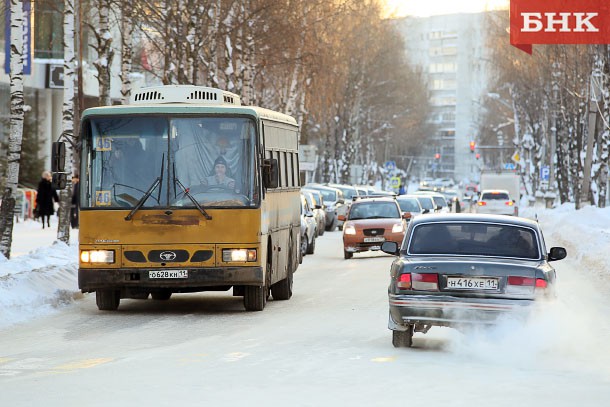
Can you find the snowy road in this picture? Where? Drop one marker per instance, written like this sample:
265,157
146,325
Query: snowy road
328,345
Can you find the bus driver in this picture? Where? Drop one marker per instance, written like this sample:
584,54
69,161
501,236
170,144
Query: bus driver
220,177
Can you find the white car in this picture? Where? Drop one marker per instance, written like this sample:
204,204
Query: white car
497,202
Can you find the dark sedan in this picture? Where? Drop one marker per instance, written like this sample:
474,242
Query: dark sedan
466,269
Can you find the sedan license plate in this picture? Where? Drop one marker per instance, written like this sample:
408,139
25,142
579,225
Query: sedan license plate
472,283
152,274
374,239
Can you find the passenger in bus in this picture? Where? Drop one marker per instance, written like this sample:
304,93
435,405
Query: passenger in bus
220,178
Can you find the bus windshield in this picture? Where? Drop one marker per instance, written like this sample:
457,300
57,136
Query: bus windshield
178,159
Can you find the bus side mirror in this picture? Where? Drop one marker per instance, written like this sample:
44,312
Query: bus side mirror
59,181
270,173
58,156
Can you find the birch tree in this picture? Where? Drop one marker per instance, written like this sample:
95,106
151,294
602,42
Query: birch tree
127,24
7,207
103,49
67,134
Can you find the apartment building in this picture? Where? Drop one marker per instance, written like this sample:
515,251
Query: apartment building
450,50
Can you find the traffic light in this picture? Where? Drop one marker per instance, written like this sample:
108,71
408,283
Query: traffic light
437,156
472,146
477,156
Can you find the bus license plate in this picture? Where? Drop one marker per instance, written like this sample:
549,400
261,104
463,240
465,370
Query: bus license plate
168,274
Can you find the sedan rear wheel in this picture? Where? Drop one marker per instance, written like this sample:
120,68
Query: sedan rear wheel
403,339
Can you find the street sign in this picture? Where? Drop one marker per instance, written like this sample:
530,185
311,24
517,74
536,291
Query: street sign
516,157
545,173
307,157
509,166
55,76
390,166
395,182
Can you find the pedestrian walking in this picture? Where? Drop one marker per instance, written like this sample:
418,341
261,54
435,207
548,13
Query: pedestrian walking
75,202
46,195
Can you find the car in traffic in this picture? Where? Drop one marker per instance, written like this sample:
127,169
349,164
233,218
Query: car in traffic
308,230
454,199
496,201
460,270
427,203
333,201
439,200
409,204
369,223
349,192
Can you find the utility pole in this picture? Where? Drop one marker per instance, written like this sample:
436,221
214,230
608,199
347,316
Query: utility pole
594,99
554,113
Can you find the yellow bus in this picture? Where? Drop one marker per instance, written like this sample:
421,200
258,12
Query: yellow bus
186,190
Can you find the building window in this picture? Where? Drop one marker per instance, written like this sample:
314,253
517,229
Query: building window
48,32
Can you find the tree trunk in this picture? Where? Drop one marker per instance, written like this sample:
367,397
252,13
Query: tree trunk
126,51
7,208
105,54
67,135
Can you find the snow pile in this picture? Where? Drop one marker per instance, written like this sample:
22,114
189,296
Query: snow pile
38,282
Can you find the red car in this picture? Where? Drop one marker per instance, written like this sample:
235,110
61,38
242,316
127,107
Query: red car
370,222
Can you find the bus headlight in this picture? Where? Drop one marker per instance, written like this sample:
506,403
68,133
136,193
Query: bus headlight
238,255
97,256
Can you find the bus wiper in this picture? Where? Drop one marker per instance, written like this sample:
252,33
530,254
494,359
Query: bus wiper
143,199
193,200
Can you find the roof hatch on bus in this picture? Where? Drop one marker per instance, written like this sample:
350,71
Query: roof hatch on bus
184,94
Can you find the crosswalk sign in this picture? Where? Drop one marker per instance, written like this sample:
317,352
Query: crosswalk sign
395,182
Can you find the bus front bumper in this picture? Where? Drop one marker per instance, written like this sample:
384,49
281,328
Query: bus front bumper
90,280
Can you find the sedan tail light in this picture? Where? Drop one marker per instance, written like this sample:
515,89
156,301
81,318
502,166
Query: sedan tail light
524,285
428,281
481,203
404,281
509,203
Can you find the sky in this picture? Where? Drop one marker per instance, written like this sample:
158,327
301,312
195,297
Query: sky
423,8
41,276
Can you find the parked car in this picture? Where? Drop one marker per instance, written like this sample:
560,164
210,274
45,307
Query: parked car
370,222
333,200
308,230
495,201
318,212
320,209
460,270
409,204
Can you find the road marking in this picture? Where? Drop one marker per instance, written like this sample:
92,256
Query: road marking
383,359
235,356
81,364
193,359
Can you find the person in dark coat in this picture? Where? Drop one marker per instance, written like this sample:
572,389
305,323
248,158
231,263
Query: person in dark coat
75,202
45,196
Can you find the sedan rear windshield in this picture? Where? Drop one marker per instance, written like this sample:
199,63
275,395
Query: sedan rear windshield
474,239
490,196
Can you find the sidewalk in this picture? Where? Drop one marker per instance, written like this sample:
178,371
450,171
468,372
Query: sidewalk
29,235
